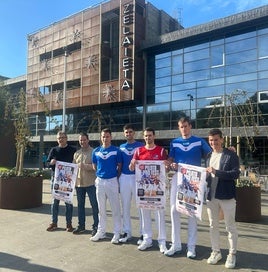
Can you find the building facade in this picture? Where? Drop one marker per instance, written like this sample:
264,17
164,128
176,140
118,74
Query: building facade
128,62
91,65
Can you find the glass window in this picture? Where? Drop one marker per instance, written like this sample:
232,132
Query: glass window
180,105
263,46
177,52
196,65
212,82
263,64
177,79
110,45
196,55
162,56
241,45
183,95
241,68
263,84
217,72
182,87
240,37
162,90
163,72
158,108
196,47
241,78
217,55
177,64
210,91
161,82
166,62
241,56
161,98
195,76
249,86
210,102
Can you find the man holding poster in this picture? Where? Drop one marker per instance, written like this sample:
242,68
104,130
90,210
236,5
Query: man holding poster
190,150
64,153
151,188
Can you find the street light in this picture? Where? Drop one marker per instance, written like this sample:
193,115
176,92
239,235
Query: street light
66,54
191,99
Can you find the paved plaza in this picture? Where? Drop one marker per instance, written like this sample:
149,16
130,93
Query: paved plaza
25,245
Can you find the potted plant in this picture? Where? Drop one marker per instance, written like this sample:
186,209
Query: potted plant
248,198
19,188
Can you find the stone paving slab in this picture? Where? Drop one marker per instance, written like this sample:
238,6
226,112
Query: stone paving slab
25,245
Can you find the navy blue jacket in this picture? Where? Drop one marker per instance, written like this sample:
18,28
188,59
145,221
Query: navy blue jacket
227,174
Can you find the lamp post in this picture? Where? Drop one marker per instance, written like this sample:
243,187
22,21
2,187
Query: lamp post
191,98
64,89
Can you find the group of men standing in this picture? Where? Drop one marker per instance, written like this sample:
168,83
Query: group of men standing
108,172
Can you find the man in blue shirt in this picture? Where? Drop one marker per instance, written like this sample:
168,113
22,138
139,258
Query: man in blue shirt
107,162
127,180
187,149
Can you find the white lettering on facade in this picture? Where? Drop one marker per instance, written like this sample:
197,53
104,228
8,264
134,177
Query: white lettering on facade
127,44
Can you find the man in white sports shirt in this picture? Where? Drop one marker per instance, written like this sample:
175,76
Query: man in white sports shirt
127,181
186,149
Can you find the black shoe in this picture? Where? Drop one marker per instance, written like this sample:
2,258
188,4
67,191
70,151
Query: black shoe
140,240
125,238
94,231
79,230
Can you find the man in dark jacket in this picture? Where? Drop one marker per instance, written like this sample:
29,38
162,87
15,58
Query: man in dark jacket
223,170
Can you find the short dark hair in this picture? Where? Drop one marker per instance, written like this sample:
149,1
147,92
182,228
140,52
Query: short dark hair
128,126
149,129
106,130
185,119
83,134
215,131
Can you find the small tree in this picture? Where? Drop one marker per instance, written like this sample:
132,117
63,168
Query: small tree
16,110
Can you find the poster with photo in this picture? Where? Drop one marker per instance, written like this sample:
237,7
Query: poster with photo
150,184
64,181
191,189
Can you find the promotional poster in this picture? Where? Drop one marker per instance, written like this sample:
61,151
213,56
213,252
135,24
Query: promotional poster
64,181
191,190
150,184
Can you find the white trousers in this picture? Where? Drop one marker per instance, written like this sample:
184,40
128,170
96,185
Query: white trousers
108,189
147,225
128,197
228,207
176,221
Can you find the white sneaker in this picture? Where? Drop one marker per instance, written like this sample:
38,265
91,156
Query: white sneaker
144,245
98,236
139,242
125,238
191,254
230,261
215,257
162,247
115,239
173,250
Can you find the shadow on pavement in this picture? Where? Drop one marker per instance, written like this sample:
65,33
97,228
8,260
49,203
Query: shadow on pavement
21,264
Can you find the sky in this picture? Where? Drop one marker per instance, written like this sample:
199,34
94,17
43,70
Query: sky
19,18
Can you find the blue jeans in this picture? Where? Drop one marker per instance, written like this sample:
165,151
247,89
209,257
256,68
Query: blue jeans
81,199
55,211
55,208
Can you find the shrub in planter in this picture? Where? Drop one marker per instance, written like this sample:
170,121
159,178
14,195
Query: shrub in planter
20,192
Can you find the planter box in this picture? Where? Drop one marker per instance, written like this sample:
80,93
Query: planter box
21,192
248,204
